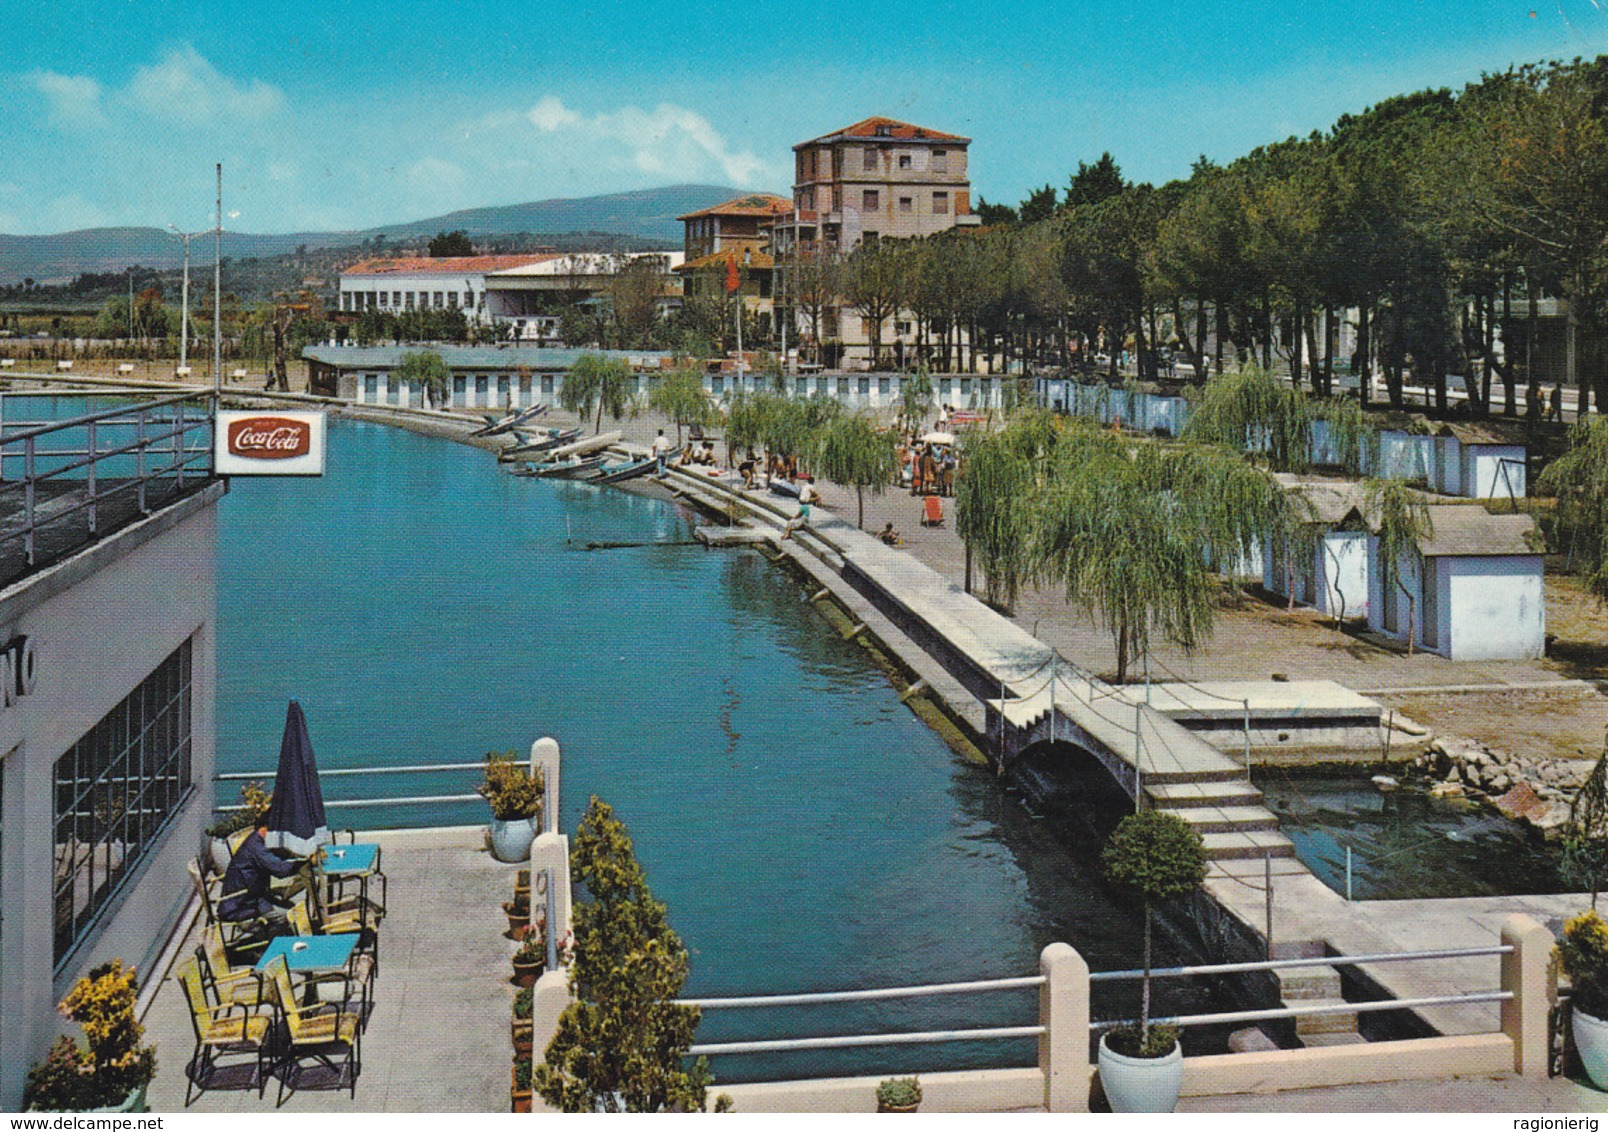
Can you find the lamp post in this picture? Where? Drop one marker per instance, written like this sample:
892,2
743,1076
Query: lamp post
184,318
217,296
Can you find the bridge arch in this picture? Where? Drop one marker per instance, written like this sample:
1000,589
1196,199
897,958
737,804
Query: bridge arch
1066,779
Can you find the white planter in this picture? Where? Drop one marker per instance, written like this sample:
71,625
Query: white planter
510,840
1591,1039
1141,1084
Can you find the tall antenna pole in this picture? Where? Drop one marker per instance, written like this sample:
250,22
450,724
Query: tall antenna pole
217,294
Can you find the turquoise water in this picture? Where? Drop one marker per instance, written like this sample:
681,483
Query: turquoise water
806,831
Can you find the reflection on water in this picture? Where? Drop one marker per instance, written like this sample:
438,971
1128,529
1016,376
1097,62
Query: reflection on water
806,831
1405,844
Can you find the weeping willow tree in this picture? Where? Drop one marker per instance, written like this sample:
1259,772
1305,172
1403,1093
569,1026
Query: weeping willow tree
998,472
748,417
1251,411
1125,548
1400,519
1237,507
793,428
1353,439
1579,479
915,397
854,452
595,382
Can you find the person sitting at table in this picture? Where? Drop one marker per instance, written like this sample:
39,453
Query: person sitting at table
247,884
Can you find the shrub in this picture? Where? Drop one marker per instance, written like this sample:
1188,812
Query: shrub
1584,952
899,1092
72,1078
523,1002
514,791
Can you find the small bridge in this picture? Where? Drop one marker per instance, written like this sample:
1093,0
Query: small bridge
1034,696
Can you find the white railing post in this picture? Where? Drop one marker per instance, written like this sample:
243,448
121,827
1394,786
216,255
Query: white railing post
544,760
1063,1051
551,996
1527,973
550,851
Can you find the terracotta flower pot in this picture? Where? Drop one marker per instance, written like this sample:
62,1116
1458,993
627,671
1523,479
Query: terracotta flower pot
526,974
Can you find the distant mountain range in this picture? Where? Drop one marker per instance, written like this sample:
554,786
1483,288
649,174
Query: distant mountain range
648,215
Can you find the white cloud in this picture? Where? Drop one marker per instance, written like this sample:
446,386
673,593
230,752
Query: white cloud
184,87
75,100
667,140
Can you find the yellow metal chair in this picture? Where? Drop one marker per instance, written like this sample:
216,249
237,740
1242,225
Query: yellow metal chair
222,1028
244,936
323,1032
360,968
232,984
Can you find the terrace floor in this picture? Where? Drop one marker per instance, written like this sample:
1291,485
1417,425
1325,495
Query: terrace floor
438,1038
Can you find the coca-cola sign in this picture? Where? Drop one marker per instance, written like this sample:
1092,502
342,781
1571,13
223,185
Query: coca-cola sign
284,443
270,438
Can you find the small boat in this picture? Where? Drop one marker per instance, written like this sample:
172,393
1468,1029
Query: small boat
527,442
785,488
618,473
563,469
496,425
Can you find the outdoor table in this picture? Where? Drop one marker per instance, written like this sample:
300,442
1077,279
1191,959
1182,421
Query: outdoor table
349,860
306,954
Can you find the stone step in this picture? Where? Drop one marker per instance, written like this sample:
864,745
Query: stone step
1227,772
1226,819
1340,1022
1251,844
1338,1038
1307,983
1182,795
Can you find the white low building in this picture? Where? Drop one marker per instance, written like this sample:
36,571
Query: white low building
1326,566
1481,594
397,285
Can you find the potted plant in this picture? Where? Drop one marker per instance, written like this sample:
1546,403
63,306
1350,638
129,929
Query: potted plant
254,803
1157,857
518,912
112,1074
519,1095
524,1000
1584,953
530,958
899,1094
515,794
522,884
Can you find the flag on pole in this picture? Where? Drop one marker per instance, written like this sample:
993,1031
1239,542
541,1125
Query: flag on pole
733,281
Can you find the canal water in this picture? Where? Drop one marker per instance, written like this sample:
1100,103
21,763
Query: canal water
806,831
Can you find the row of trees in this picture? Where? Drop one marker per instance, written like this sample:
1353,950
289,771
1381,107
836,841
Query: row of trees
1439,218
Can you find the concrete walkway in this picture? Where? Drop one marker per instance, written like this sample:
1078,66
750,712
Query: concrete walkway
438,1039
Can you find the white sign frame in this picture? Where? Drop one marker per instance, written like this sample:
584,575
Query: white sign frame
277,426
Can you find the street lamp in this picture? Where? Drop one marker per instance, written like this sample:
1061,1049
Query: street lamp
184,337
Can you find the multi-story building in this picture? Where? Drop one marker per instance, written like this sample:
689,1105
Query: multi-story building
740,225
878,177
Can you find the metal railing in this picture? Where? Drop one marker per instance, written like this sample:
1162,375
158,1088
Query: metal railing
111,452
356,803
847,1041
1234,1016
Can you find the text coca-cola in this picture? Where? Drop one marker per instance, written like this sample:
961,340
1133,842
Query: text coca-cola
269,438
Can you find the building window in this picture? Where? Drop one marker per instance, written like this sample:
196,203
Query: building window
547,385
384,297
870,157
468,300
904,161
965,387
396,299
842,387
802,386
883,385
438,300
945,387
907,204
884,131
371,386
116,790
940,203
940,161
460,390
870,200
865,386
717,385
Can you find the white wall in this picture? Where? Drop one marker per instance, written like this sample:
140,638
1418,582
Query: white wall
1341,570
1492,608
1494,471
97,639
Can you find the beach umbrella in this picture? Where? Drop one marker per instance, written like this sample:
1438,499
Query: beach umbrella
296,817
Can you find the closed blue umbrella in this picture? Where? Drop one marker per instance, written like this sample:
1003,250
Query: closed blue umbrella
296,817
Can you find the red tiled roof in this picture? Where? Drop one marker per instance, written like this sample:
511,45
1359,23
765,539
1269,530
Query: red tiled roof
895,129
761,261
444,265
755,204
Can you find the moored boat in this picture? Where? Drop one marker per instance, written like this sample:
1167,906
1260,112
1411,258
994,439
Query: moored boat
618,473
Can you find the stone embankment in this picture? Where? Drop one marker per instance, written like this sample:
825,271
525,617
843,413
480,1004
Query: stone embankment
1536,791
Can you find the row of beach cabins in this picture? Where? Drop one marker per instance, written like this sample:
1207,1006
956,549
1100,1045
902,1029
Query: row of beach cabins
1479,594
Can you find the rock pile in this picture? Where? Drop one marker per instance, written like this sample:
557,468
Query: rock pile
1536,791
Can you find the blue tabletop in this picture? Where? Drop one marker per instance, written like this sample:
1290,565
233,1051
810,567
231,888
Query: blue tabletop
310,952
340,859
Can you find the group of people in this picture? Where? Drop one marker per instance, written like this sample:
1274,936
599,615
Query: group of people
927,469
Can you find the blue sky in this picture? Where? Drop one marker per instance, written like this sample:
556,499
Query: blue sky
345,115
